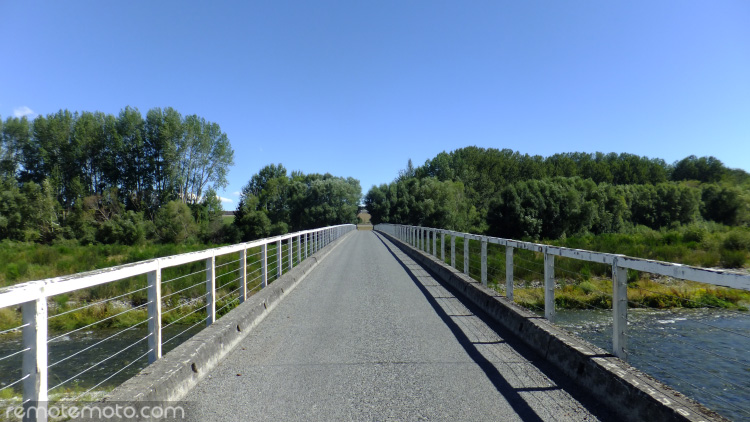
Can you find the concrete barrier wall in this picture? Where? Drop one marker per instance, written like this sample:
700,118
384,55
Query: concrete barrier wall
171,377
629,393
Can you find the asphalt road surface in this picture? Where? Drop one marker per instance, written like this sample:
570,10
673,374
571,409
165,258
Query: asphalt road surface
370,335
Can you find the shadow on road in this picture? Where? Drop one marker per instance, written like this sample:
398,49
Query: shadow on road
516,401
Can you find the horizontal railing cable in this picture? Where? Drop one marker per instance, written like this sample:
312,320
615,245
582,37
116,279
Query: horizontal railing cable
97,322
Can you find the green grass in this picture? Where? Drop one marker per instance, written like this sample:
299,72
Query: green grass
58,260
643,293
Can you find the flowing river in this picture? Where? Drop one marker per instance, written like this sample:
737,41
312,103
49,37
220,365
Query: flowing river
72,365
702,353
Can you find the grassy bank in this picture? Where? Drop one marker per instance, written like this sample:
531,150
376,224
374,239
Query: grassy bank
183,288
643,293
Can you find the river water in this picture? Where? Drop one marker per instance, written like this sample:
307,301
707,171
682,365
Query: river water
702,353
119,357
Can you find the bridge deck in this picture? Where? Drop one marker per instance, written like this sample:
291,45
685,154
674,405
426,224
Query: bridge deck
370,335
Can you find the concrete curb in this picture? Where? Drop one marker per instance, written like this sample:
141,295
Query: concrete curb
171,377
629,393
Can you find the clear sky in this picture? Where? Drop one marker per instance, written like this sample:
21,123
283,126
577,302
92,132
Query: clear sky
357,88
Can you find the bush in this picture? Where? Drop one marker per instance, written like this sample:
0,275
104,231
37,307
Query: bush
587,287
732,258
174,223
126,229
737,241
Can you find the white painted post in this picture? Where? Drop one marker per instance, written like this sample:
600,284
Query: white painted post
427,240
211,290
264,265
279,259
299,249
291,252
549,285
434,242
442,246
466,254
484,260
619,309
307,243
154,313
243,275
509,272
453,250
34,361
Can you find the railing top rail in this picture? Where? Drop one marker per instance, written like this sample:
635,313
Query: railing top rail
32,290
670,269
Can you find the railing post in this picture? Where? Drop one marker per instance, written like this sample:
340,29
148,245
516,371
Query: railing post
307,244
291,252
299,249
427,240
549,285
466,254
434,242
264,265
34,361
453,250
279,259
484,260
210,290
154,313
509,272
619,309
243,275
442,246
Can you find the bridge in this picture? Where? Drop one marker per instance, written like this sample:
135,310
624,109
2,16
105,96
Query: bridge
336,323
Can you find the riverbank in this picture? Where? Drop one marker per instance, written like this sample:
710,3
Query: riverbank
658,293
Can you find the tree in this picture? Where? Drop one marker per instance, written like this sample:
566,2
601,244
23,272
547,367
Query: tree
704,169
203,158
274,203
164,132
15,134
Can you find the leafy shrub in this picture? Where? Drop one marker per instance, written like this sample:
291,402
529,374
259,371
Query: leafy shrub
732,258
587,287
174,223
126,229
737,241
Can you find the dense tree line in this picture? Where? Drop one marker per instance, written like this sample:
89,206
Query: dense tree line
275,203
505,193
97,177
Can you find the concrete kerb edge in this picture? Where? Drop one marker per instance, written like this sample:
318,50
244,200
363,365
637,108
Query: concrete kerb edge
171,377
628,392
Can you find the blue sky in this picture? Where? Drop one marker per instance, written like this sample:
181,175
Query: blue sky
357,88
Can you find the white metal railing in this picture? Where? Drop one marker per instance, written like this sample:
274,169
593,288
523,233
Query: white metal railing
33,296
420,238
